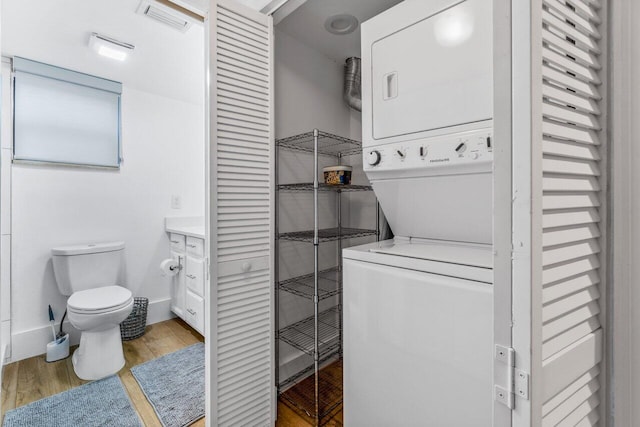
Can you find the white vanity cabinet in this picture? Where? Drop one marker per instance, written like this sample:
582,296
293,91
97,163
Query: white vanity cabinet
178,281
187,289
195,280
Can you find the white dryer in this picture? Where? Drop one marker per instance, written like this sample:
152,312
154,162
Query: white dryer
427,108
418,310
418,334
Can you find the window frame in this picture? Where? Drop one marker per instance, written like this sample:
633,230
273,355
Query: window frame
39,69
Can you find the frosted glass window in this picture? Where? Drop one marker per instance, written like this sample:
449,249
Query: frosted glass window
61,116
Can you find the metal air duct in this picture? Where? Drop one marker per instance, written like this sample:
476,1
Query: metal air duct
352,84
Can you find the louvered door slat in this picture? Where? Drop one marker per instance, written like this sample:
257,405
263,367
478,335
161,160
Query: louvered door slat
562,272
590,420
569,405
569,98
569,132
563,63
563,236
569,217
566,47
561,397
553,201
561,148
584,10
562,79
571,167
564,323
557,308
561,10
229,86
569,286
564,339
570,31
242,118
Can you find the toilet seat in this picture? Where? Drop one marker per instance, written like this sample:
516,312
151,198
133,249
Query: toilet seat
99,300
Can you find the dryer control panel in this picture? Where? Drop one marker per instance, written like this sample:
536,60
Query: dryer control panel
458,151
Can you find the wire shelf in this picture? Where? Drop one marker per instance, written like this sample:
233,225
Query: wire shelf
308,186
301,397
328,144
301,334
327,234
306,371
329,284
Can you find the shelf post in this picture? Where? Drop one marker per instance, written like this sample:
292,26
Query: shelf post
339,202
276,272
316,268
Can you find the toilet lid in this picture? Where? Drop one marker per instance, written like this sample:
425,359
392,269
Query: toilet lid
99,299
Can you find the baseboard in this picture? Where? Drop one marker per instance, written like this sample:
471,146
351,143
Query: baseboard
3,352
25,344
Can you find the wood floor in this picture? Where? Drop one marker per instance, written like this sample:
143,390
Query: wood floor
32,379
304,392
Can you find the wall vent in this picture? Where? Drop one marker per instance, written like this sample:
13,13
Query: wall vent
165,15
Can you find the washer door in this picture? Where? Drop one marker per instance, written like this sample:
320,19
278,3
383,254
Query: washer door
417,348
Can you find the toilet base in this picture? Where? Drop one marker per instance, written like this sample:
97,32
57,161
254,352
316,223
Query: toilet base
99,355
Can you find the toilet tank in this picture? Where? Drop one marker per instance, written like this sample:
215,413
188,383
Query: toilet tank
82,267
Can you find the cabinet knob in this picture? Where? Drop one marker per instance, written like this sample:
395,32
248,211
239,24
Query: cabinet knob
246,267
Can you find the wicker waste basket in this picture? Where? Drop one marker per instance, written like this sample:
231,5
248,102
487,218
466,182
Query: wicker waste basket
133,326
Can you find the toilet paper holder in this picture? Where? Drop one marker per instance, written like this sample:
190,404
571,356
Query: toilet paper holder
177,267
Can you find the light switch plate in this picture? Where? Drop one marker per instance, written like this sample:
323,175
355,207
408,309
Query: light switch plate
176,202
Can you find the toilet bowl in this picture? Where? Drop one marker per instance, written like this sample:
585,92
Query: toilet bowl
97,313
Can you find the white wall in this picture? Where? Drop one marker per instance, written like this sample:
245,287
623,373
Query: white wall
308,95
163,150
55,206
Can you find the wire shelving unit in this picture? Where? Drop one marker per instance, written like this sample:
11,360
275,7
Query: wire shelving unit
320,335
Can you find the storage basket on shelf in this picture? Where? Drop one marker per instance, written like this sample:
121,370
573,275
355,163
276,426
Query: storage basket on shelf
133,326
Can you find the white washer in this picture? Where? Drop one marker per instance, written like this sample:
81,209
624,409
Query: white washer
418,322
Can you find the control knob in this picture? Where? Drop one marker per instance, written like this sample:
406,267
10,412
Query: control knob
374,157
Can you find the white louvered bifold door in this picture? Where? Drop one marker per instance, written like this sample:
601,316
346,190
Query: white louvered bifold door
241,206
568,146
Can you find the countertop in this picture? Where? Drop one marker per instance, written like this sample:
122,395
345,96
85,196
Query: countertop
192,226
187,230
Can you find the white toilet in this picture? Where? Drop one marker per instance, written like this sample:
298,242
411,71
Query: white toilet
93,278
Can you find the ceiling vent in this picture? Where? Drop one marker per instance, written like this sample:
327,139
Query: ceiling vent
165,15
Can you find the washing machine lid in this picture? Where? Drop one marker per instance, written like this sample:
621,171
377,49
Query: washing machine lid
454,259
98,300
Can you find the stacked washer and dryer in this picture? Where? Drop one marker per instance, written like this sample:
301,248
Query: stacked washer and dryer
418,309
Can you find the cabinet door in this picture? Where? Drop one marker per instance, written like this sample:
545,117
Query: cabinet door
240,335
178,286
195,247
195,275
177,242
194,312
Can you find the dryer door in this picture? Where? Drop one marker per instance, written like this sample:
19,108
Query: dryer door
434,74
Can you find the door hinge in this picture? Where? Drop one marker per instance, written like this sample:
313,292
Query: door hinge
517,380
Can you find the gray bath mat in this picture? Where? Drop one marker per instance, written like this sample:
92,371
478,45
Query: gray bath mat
174,385
100,403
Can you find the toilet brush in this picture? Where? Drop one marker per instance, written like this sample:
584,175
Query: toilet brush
57,349
52,323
